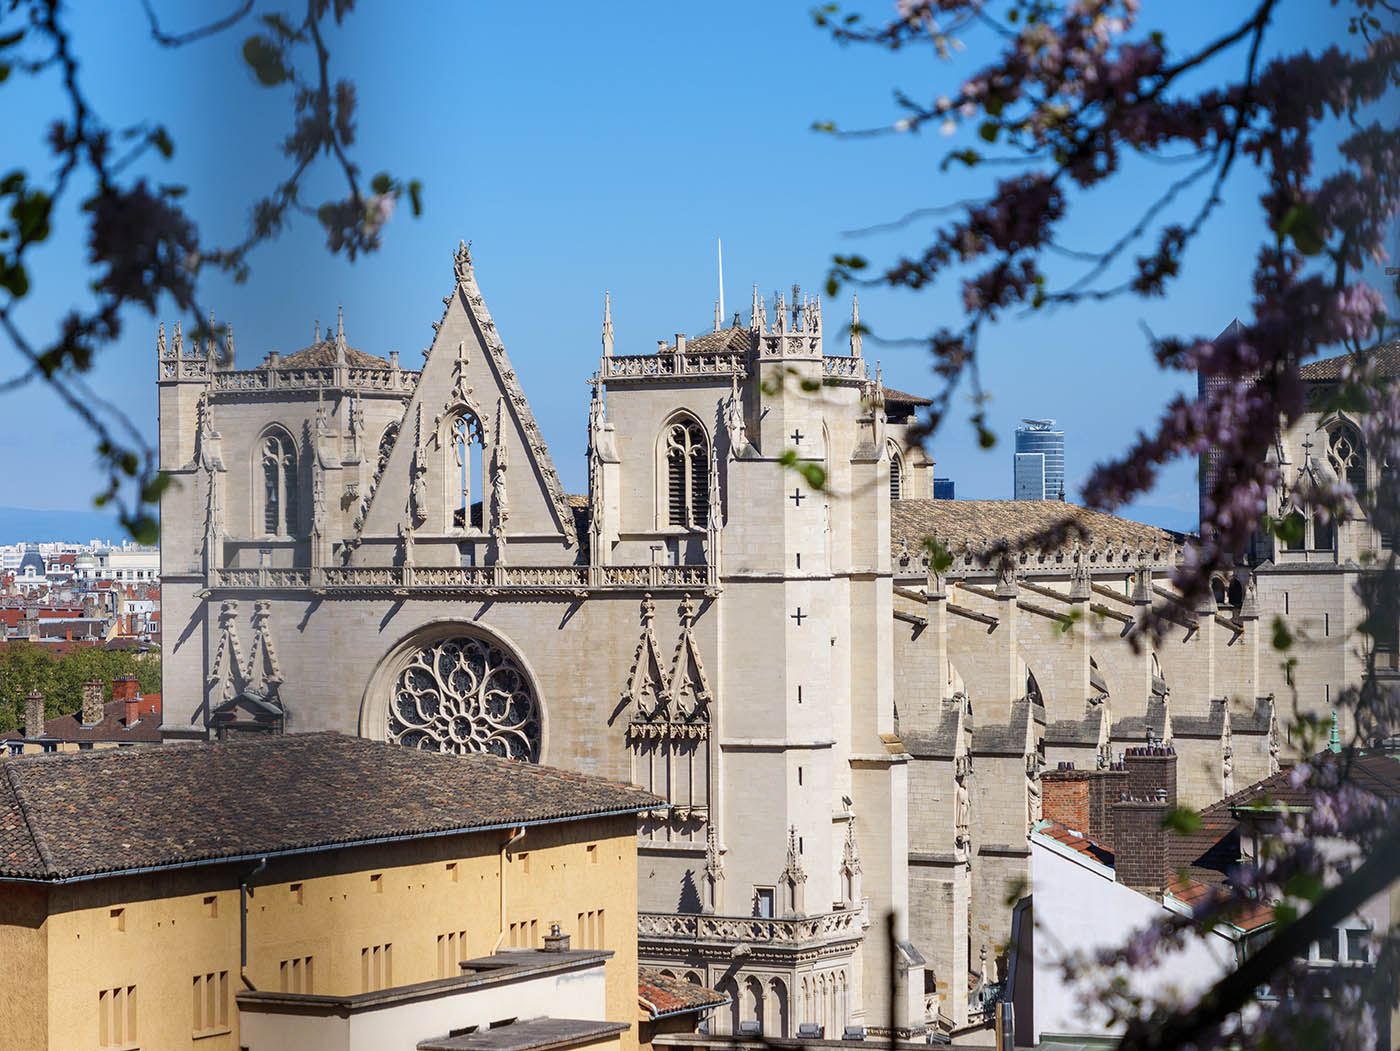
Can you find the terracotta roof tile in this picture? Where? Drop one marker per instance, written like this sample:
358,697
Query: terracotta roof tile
1386,356
662,994
319,355
972,524
266,795
1076,841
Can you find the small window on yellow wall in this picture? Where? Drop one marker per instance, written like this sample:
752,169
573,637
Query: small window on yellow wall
211,906
376,967
524,863
116,1016
452,950
295,890
296,975
376,882
118,918
592,853
452,871
210,1002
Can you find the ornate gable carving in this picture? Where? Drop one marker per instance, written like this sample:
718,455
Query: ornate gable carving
647,691
226,668
263,674
689,686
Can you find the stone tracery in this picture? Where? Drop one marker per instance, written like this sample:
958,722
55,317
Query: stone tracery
463,694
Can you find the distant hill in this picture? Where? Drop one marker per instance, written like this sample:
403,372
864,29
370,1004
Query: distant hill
24,524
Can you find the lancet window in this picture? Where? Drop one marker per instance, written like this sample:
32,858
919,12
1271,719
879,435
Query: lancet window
896,473
386,446
465,479
278,488
1347,454
687,475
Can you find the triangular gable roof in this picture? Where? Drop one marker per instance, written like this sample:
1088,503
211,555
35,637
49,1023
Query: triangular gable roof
467,365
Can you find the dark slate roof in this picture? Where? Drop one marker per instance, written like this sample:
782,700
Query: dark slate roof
145,730
61,818
1075,731
536,1034
663,994
1386,356
1135,727
322,354
973,524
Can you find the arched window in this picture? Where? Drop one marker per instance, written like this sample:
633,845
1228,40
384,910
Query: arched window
465,480
386,446
1324,533
896,473
687,475
279,484
1347,455
1295,531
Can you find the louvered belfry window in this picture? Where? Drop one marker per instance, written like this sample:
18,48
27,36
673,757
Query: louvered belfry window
687,469
896,475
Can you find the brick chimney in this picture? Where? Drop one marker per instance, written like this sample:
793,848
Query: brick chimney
1105,787
1151,767
34,715
1140,842
92,702
124,689
1064,797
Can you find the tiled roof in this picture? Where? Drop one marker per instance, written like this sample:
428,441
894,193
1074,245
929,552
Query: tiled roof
267,795
973,524
1075,841
892,395
323,354
1247,916
662,995
1386,356
146,729
733,340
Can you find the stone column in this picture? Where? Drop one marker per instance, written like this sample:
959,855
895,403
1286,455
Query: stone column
92,702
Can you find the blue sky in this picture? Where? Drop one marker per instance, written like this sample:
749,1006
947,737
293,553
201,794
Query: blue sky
589,147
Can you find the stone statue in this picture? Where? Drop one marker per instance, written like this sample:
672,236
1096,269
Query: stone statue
962,804
406,541
734,416
1034,763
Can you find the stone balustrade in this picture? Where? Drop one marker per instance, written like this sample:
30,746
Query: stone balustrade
842,925
389,380
468,578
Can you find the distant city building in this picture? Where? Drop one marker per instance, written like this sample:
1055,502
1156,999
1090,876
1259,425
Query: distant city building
1040,461
943,489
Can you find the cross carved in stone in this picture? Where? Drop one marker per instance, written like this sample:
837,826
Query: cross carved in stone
799,616
796,497
797,437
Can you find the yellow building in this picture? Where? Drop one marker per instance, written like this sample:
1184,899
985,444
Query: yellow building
313,891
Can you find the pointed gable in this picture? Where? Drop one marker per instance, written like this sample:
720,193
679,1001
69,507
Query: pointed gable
467,375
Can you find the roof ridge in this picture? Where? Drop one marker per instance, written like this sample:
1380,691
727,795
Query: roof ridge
40,845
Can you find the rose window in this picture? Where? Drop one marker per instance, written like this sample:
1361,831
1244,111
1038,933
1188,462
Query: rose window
462,695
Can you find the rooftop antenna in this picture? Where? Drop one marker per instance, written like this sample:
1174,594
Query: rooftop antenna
719,249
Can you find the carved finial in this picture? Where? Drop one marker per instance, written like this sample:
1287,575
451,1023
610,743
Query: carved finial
648,610
209,347
687,611
178,347
855,326
607,325
1080,586
718,322
796,305
228,345
160,340
756,311
463,258
316,340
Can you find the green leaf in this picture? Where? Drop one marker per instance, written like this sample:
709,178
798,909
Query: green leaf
1182,820
994,105
1305,885
989,130
788,459
415,197
14,279
144,529
10,39
1283,638
265,60
381,183
938,555
815,474
4,72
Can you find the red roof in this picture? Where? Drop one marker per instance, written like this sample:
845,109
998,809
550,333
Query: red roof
1076,841
662,994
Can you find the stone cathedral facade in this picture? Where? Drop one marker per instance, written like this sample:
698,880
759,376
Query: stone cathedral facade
842,733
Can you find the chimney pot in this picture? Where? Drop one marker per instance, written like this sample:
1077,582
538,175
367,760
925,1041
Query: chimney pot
555,940
680,342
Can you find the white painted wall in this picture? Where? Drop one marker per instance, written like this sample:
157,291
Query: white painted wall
1080,909
399,1027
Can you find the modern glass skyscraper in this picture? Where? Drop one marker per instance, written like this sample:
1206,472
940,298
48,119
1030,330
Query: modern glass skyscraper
1039,472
